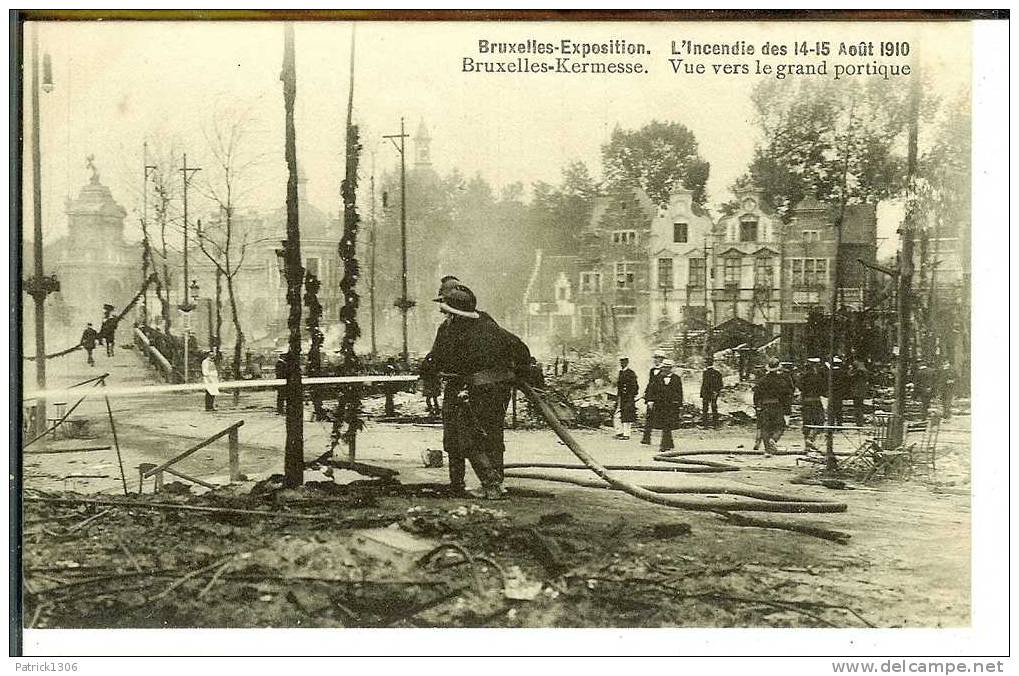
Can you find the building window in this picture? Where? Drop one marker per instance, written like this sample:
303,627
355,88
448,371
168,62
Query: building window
679,232
731,271
312,267
811,235
625,275
748,229
590,282
625,310
809,272
764,272
665,280
624,236
697,268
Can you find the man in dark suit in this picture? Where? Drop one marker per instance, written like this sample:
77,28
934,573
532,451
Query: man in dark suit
626,397
88,341
656,368
772,398
668,398
711,386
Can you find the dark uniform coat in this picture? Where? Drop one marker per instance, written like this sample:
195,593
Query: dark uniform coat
626,391
813,386
480,359
711,383
668,397
772,398
88,338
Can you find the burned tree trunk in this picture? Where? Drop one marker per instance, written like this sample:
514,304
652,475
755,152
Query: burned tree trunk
293,462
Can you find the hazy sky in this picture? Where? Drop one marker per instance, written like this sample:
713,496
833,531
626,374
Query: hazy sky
120,83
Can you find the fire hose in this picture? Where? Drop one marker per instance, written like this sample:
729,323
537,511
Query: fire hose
656,497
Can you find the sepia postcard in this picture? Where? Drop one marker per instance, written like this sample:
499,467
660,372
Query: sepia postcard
344,324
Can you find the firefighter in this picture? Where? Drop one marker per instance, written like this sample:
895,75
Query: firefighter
772,397
479,360
626,397
813,385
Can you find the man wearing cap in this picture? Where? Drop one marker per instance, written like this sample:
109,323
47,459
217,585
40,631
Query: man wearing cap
772,397
711,385
813,385
667,391
479,361
626,397
649,393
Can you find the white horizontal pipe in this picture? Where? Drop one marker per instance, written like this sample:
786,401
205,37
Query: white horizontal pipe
227,385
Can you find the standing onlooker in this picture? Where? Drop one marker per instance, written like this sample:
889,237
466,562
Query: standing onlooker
772,396
210,376
839,389
649,393
813,385
432,387
668,397
923,388
711,385
859,384
281,373
88,341
626,397
946,385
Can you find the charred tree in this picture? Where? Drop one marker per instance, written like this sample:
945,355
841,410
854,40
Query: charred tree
293,461
347,420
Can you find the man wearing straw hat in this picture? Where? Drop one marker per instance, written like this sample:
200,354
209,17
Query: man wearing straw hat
668,398
649,394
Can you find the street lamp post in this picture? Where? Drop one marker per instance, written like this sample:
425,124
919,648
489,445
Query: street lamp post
39,286
186,306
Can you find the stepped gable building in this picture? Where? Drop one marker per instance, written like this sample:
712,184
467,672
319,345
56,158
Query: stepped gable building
681,235
668,273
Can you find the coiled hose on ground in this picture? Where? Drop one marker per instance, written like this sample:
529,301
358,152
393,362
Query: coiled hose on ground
786,504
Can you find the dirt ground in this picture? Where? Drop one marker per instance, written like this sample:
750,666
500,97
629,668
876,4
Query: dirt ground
349,551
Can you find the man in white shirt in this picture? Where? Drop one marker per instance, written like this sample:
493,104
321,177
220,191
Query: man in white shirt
210,376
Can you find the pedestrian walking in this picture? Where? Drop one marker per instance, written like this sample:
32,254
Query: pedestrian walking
108,330
89,338
812,385
478,360
626,397
772,397
210,376
711,386
656,368
668,397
